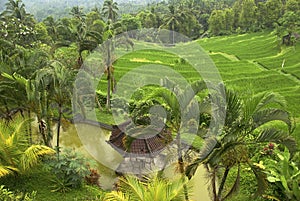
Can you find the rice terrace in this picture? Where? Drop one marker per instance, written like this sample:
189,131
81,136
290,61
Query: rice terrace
150,100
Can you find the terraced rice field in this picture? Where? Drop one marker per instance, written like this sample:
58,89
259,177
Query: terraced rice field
249,63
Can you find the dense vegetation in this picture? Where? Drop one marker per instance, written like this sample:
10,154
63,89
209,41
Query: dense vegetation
254,45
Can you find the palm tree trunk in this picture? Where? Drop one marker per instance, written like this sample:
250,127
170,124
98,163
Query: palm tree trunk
29,127
223,183
173,34
58,126
181,166
80,60
213,183
98,102
108,64
48,123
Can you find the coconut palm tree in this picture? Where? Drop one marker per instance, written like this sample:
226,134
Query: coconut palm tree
16,153
31,96
85,39
245,131
156,188
59,82
110,10
173,19
15,8
179,103
77,13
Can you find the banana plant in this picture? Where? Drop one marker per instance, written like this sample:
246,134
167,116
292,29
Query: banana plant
285,173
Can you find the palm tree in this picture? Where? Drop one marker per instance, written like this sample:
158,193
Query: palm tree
245,129
31,96
16,153
59,82
179,103
86,39
110,10
21,76
77,13
131,188
15,9
52,28
173,19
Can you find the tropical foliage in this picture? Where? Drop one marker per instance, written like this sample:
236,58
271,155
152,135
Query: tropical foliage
6,194
245,131
132,188
16,154
70,170
283,172
40,56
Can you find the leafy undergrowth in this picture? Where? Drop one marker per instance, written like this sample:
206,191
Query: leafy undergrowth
39,180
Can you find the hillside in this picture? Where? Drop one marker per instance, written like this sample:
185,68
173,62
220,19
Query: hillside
248,63
253,63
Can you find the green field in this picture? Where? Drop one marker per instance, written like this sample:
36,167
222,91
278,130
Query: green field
249,64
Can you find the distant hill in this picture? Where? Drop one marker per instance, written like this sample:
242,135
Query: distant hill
59,8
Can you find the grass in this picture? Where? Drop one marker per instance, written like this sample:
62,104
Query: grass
39,180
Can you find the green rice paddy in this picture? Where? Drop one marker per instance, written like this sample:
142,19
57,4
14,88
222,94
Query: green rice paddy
248,63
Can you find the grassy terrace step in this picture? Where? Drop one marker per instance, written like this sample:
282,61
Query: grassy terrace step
290,58
256,53
247,46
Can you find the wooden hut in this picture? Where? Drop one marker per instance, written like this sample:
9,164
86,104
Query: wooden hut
142,150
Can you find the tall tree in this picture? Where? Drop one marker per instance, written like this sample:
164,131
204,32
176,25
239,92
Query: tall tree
110,10
172,20
59,82
274,10
77,12
247,14
16,8
180,103
216,22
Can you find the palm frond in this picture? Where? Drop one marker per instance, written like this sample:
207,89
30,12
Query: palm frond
270,114
175,190
116,196
189,93
233,108
7,170
262,100
168,97
291,144
277,136
208,147
133,187
191,169
32,155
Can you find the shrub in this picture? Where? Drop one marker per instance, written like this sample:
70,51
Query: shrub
69,169
93,177
7,195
